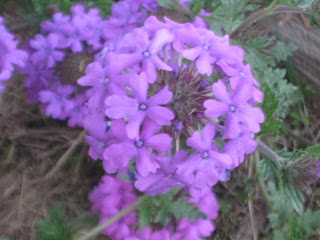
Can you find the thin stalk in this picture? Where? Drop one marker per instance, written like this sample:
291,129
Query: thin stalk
274,8
98,229
261,181
270,154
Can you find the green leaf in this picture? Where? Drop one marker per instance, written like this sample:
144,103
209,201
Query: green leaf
314,150
296,198
162,207
297,3
270,102
55,227
282,51
196,6
227,15
274,127
167,4
268,169
310,222
257,60
259,42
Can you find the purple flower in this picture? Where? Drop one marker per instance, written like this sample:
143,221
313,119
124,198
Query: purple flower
108,198
118,155
144,51
165,178
236,109
57,102
205,165
139,107
46,50
206,201
238,147
318,167
98,144
103,79
193,230
203,43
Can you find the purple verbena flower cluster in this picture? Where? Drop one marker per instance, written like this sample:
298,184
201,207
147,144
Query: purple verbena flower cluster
9,54
82,32
155,106
150,105
59,38
156,79
113,195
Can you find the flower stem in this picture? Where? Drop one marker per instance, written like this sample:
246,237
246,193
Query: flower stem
270,154
274,8
95,231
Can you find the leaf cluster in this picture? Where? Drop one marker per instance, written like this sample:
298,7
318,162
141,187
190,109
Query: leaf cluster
165,208
54,227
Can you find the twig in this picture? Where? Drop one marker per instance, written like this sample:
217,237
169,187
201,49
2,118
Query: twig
65,156
250,202
95,231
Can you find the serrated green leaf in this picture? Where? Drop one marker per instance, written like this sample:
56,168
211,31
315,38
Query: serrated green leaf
297,3
296,198
282,51
167,4
314,151
146,210
162,207
257,60
274,127
259,42
196,6
270,102
182,209
268,169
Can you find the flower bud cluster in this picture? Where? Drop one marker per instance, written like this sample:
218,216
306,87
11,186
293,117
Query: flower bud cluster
9,54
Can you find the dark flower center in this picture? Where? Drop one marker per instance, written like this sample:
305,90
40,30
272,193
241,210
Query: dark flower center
204,155
105,80
232,108
143,106
139,144
146,54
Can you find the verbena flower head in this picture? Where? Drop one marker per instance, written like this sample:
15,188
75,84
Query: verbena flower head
170,101
172,105
10,55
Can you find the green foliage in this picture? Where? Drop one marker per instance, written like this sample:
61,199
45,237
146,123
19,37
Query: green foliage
299,227
55,227
282,51
314,150
297,3
286,93
160,209
227,15
268,169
